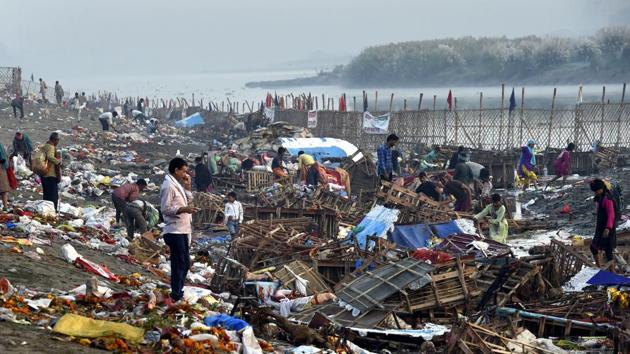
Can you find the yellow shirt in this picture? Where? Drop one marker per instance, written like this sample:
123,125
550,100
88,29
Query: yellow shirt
305,160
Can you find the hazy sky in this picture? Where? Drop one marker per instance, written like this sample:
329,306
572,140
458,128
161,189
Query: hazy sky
98,37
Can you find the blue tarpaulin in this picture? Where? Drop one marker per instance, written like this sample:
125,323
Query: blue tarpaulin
376,223
411,236
190,121
446,229
607,278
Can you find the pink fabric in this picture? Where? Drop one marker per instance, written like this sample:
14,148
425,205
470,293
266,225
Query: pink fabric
562,164
128,192
610,212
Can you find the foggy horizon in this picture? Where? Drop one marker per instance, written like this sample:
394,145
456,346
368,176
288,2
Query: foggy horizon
74,38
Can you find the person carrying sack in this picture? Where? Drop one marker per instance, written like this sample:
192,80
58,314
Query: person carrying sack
46,163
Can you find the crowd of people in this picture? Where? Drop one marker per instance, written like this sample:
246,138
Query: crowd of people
460,182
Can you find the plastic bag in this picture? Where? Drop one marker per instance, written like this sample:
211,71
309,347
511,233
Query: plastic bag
41,207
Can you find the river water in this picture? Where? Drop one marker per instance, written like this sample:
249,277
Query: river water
221,86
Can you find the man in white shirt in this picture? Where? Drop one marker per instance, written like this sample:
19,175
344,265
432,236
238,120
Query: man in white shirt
233,214
107,119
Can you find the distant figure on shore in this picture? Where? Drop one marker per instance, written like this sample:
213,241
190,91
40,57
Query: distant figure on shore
43,88
58,93
126,108
22,146
527,164
52,177
562,165
18,103
83,100
385,163
5,187
75,104
107,119
140,106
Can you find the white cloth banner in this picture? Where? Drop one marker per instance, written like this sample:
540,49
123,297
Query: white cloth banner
375,125
312,119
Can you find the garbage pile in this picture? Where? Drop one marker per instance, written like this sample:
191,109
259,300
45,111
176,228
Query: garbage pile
312,270
266,139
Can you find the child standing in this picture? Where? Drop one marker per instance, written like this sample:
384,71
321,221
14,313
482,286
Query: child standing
233,214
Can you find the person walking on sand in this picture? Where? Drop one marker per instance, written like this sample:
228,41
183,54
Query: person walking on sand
43,88
18,104
58,93
606,226
233,214
494,215
75,104
175,195
5,187
562,165
124,194
385,163
22,146
51,179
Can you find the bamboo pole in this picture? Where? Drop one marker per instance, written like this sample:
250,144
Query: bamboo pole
520,137
391,101
601,122
433,118
456,121
420,101
376,101
502,112
621,107
480,119
553,109
354,103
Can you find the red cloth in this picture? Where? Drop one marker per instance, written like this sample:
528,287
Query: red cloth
268,100
96,269
610,212
13,182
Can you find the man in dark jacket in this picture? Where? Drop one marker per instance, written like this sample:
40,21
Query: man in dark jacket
203,178
18,103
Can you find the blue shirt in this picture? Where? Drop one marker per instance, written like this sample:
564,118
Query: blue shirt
385,164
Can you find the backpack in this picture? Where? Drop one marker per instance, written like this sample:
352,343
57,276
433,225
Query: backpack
39,162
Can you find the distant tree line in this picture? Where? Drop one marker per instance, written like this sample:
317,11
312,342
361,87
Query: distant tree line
470,59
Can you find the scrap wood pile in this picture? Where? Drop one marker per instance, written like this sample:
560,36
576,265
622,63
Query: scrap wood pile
270,242
415,207
265,139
